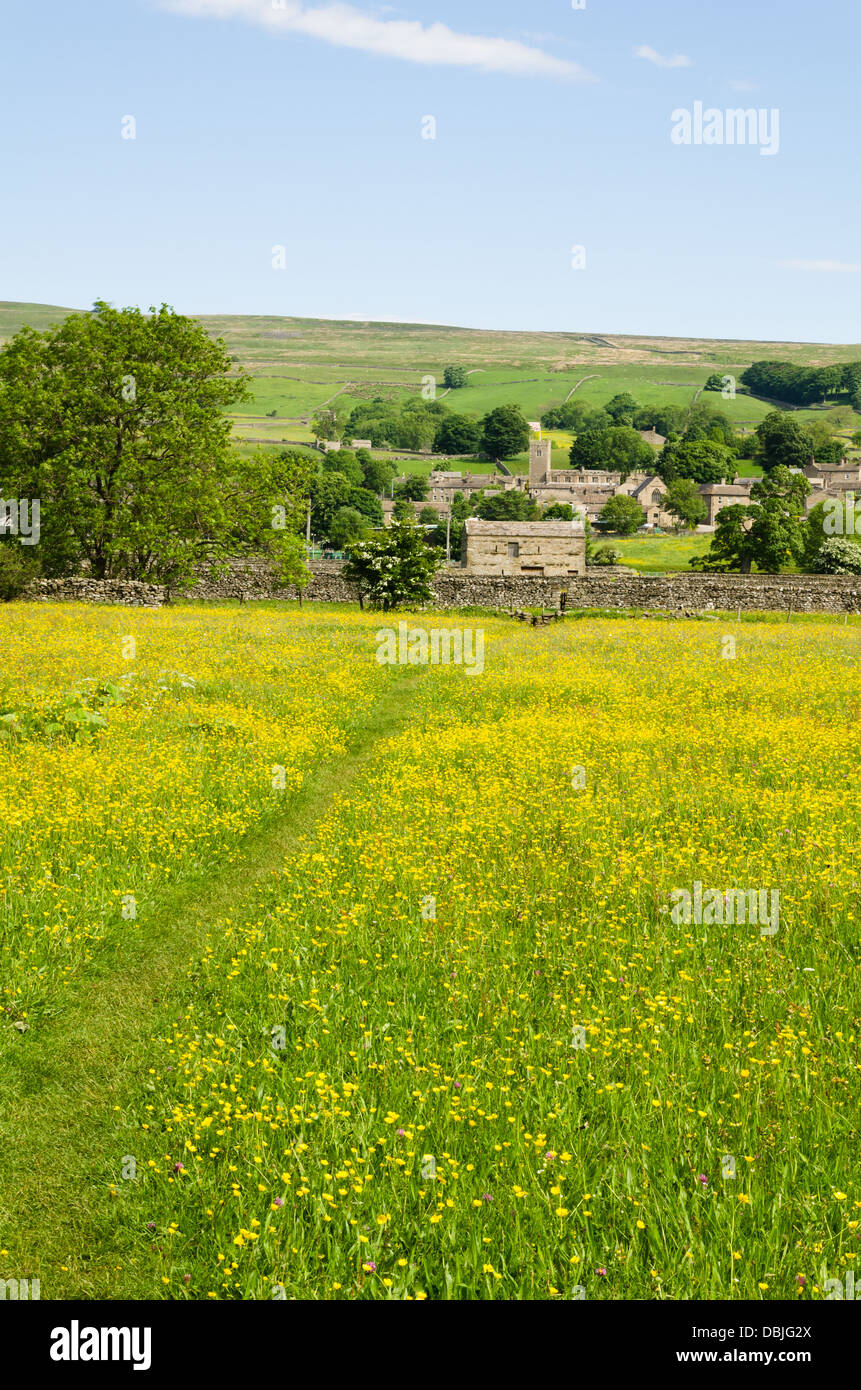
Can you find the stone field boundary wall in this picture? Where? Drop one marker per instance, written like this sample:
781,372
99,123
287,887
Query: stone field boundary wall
676,593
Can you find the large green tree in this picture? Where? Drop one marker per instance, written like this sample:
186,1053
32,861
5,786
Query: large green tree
327,423
368,504
506,506
589,450
457,434
455,378
683,501
622,408
668,420
330,492
783,442
347,526
343,461
413,486
701,460
705,421
377,473
505,432
769,533
115,421
626,452
268,509
622,514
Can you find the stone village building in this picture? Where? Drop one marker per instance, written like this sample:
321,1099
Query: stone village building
536,549
587,490
843,475
719,495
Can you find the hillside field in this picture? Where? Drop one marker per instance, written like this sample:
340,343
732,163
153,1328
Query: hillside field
300,364
325,979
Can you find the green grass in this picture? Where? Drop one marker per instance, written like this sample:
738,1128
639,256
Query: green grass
657,554
298,363
529,1086
64,1108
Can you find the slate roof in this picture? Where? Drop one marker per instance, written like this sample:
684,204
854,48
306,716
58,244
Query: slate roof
562,529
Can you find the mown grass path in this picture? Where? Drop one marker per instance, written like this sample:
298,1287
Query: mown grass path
63,1082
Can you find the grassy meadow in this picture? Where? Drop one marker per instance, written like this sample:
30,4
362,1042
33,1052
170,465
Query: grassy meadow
300,364
401,1011
653,554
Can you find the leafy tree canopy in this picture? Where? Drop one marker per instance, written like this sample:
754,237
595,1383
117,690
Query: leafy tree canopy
622,514
458,434
414,486
683,501
783,442
622,408
504,432
344,461
115,421
770,532
702,461
455,378
347,526
506,506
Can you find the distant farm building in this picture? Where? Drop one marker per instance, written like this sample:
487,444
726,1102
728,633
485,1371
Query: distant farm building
845,474
652,437
541,549
719,495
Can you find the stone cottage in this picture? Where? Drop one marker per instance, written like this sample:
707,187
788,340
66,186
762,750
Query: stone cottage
719,495
540,549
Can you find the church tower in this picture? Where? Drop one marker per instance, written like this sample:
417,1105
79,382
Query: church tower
539,461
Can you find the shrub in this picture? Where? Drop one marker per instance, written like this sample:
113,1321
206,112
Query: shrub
606,555
17,568
838,556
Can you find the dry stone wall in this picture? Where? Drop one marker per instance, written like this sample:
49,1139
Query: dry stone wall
676,593
82,590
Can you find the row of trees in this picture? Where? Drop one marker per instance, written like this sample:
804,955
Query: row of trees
428,426
703,446
607,437
622,409
784,381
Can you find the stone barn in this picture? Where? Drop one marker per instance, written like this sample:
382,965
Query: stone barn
539,549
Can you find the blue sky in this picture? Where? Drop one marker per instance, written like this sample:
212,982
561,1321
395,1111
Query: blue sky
261,124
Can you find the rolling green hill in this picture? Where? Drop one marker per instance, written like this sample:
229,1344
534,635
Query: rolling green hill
299,364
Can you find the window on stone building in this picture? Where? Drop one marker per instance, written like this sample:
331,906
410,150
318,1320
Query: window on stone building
513,550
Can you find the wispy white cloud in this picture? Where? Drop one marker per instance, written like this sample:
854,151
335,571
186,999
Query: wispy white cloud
410,40
742,86
840,267
678,60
